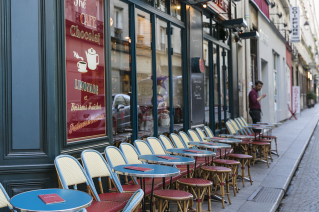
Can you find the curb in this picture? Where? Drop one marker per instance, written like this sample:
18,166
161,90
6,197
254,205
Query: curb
282,193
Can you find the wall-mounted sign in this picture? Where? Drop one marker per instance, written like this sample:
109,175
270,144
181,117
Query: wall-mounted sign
84,69
295,24
220,6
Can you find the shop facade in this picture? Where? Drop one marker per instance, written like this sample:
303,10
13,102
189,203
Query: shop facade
82,74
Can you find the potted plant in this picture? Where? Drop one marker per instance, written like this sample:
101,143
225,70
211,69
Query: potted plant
311,96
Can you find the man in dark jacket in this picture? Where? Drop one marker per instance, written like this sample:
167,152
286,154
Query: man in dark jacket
254,105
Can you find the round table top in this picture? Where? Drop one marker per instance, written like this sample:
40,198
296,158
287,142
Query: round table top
181,151
155,159
29,201
225,135
210,145
265,123
158,170
243,136
230,141
259,126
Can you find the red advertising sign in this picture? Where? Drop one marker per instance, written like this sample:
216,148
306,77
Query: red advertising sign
221,7
84,69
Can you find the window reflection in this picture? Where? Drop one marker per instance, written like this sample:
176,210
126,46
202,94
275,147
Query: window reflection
162,76
177,77
216,84
206,24
206,81
144,72
176,9
161,5
121,69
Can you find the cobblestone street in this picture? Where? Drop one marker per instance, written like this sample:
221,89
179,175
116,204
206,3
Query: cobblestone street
302,194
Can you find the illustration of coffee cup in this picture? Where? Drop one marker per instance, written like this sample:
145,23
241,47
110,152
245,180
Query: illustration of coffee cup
82,66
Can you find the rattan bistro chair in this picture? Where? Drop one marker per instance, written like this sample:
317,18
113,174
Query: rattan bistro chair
201,134
71,173
166,142
209,132
133,204
4,199
95,166
194,136
178,142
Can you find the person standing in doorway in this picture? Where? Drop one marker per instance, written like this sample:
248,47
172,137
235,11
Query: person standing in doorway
254,105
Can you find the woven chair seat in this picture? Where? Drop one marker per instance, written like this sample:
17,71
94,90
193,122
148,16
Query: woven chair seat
261,140
191,166
268,136
106,206
195,182
260,143
240,156
227,162
246,141
216,168
173,194
115,197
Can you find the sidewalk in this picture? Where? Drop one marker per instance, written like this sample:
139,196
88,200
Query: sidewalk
270,184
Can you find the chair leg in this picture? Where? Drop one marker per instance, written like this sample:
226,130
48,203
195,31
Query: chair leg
222,189
243,171
251,182
209,199
227,188
199,203
185,206
160,205
254,154
266,154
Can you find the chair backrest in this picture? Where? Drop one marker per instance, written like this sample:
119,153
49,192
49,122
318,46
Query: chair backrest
186,139
166,142
194,136
134,201
4,198
201,133
178,142
143,148
208,131
130,153
156,146
71,173
96,166
230,128
242,124
239,130
114,156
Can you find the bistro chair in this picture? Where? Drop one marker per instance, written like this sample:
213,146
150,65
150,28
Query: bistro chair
4,199
71,173
95,166
245,144
244,160
131,155
115,157
144,137
178,142
186,139
194,136
209,132
201,134
166,142
143,147
133,204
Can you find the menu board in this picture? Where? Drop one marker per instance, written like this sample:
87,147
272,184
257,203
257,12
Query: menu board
84,69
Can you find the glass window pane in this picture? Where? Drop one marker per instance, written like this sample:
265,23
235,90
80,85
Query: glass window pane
227,87
150,2
214,29
121,68
221,84
177,70
162,76
144,71
161,5
216,93
176,9
206,24
206,81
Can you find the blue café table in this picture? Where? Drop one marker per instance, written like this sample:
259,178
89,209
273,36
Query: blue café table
158,171
258,128
210,145
29,201
200,153
156,160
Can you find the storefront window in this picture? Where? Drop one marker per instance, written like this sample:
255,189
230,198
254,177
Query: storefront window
176,9
216,84
206,24
214,29
227,87
150,2
161,5
178,89
162,76
144,72
221,83
121,68
206,81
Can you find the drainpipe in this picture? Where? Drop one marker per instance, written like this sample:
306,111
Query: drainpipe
247,55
